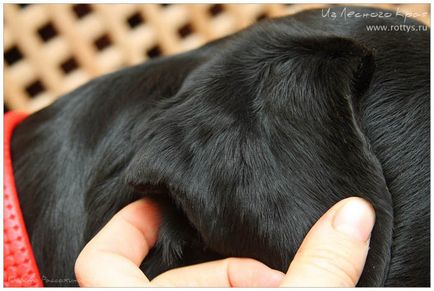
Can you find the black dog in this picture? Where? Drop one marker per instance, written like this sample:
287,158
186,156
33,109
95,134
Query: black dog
244,143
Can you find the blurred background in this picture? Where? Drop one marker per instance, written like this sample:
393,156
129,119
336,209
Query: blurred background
50,49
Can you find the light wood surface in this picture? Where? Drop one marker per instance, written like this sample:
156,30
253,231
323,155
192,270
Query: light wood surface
51,49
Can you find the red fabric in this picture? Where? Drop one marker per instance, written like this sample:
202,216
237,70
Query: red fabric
19,265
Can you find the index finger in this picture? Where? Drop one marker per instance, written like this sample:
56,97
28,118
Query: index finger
113,256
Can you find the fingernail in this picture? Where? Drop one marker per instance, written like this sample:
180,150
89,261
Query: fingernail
356,219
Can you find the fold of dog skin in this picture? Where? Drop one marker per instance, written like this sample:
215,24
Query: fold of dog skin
266,154
244,143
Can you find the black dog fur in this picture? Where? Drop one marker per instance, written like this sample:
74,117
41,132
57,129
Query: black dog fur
244,143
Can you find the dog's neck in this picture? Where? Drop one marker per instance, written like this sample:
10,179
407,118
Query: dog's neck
20,268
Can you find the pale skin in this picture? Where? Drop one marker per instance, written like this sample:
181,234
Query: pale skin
332,254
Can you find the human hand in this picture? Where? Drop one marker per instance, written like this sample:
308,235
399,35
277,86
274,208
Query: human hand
112,258
333,254
334,251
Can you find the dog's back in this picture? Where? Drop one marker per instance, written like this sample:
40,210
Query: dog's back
244,143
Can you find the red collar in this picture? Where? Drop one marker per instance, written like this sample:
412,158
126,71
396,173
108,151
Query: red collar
20,268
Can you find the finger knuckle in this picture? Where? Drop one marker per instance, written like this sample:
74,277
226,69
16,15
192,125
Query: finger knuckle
81,266
336,263
78,267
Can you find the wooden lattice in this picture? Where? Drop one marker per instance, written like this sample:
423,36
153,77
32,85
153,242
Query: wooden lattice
50,49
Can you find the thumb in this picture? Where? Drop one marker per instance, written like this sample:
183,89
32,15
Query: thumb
334,251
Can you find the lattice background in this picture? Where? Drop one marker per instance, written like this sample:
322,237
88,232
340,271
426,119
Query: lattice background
50,49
